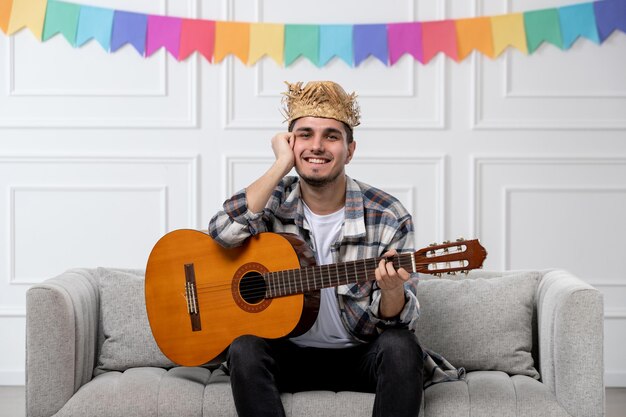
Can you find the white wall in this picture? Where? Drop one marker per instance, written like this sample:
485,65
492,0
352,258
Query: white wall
100,154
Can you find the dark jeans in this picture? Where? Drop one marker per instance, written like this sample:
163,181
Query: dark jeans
391,366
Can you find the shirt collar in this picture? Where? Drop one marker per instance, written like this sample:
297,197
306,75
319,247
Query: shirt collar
354,225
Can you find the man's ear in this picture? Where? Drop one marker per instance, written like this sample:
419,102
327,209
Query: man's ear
351,148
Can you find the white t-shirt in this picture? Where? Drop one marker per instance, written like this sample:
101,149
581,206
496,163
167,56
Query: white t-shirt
328,331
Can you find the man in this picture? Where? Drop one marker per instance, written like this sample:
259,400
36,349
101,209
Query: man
363,337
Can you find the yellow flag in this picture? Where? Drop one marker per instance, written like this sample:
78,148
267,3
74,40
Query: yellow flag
508,30
267,39
231,38
30,14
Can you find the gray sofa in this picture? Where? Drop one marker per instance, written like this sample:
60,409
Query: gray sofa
531,343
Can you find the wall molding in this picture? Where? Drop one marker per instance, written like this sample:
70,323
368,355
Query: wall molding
479,161
162,190
190,162
508,191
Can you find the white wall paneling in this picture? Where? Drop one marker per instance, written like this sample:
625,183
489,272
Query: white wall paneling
87,211
541,211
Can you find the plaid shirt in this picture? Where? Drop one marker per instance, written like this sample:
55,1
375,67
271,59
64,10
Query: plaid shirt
375,223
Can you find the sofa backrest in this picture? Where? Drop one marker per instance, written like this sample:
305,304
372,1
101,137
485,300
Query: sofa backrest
482,321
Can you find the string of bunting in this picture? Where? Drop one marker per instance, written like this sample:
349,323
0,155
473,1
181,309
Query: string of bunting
284,43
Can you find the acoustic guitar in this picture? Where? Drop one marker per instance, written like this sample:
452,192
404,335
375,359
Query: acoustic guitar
201,296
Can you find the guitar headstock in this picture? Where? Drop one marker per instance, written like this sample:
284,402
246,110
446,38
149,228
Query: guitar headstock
450,257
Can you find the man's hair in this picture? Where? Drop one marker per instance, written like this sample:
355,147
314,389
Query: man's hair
346,127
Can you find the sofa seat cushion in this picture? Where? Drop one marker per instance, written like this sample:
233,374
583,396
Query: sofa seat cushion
492,393
195,391
141,392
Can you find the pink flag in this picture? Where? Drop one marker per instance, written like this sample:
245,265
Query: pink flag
405,38
439,37
163,31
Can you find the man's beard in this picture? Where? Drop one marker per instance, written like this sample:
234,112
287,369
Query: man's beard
319,182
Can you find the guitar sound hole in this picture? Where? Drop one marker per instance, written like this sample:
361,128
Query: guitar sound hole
252,288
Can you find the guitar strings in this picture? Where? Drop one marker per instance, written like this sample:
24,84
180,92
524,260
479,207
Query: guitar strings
284,284
276,286
291,273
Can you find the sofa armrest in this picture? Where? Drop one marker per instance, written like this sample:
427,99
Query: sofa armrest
61,339
571,342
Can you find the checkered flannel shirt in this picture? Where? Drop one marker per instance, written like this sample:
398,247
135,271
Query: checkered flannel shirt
375,222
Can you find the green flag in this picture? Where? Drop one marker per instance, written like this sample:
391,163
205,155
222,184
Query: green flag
61,17
542,25
302,40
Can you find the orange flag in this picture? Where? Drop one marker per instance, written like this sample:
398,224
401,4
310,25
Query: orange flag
28,13
232,38
267,39
474,33
508,30
5,14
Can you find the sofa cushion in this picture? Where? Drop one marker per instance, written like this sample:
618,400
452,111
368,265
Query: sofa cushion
141,392
492,394
481,323
127,338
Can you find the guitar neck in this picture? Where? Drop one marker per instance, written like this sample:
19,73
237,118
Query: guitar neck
313,278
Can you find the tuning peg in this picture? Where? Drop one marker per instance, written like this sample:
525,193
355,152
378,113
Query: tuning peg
433,244
445,242
461,239
466,272
452,273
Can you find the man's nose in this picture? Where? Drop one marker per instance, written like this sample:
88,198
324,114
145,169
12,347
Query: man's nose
317,143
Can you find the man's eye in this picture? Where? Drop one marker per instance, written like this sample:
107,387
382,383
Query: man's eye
304,135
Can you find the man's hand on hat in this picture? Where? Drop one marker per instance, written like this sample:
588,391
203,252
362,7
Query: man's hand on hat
282,145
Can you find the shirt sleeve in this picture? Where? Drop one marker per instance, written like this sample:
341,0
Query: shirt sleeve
403,243
235,222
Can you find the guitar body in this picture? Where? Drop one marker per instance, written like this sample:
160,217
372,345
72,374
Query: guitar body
200,296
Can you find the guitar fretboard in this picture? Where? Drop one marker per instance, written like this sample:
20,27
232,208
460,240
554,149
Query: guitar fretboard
299,281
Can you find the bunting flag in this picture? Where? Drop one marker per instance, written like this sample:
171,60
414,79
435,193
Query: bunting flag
27,13
128,28
163,31
474,34
370,40
302,40
439,37
266,39
508,30
197,35
405,38
232,38
319,43
61,18
5,14
335,41
95,23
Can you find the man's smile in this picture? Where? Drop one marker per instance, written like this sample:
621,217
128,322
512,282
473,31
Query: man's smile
316,160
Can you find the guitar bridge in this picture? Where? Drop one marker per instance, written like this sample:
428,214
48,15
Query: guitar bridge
193,307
